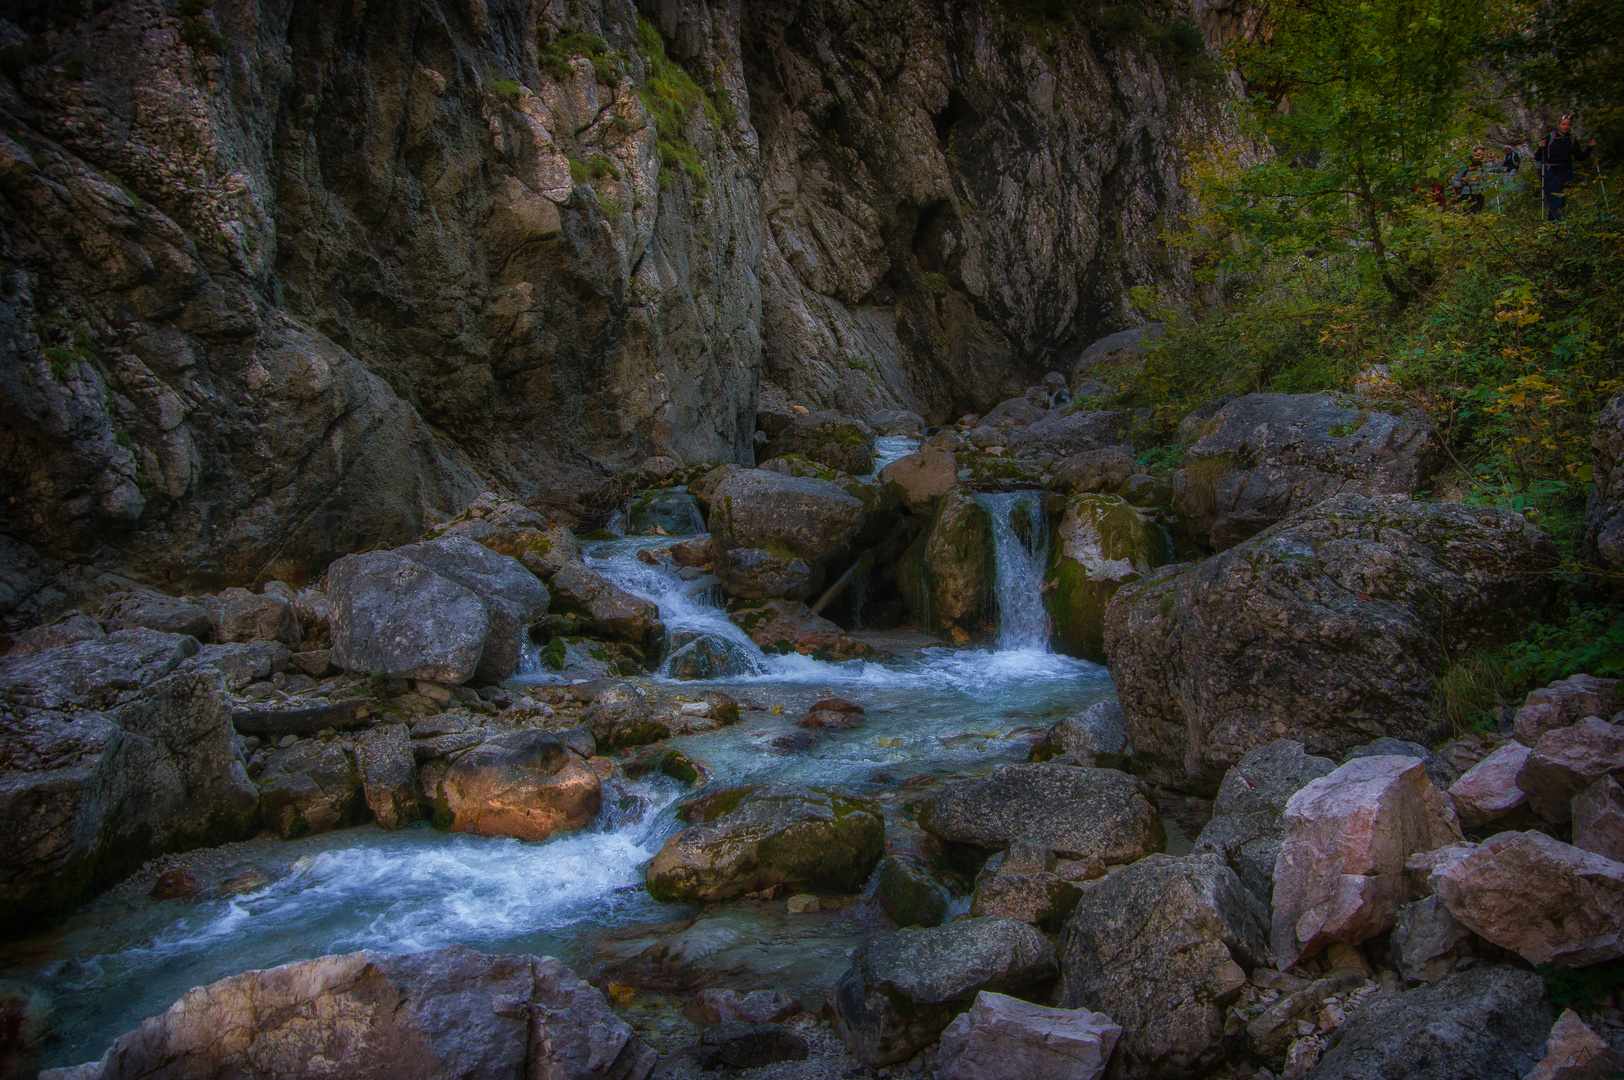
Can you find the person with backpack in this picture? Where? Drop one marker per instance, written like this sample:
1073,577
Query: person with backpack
1556,154
1472,182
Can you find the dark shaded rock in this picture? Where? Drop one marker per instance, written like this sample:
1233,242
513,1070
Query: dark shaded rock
1567,761
310,787
1440,771
1485,1023
396,618
446,1012
718,1006
908,892
904,987
1328,628
1080,813
755,838
1096,736
621,719
665,513
737,1044
239,615
1066,434
1265,457
94,674
275,723
1598,819
947,575
1021,884
788,626
1562,703
69,629
1245,830
389,775
801,517
512,596
243,663
895,422
1096,470
704,656
1603,540
1428,942
754,574
840,442
1163,947
606,610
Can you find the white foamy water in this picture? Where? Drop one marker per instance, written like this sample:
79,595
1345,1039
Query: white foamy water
887,448
1023,624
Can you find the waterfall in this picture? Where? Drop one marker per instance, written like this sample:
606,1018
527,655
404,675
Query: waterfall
1020,532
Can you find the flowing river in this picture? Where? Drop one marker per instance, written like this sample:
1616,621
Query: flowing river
932,712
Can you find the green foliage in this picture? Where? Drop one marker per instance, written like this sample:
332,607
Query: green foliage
200,35
507,89
1584,989
1360,101
1472,692
670,95
1162,460
1566,55
858,365
556,54
1589,640
59,359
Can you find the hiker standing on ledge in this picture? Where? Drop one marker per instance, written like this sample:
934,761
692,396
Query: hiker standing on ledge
1556,154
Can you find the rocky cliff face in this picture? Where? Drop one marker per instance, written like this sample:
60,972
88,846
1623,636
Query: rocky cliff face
280,281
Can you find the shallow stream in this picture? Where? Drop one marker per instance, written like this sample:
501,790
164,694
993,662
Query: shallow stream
932,712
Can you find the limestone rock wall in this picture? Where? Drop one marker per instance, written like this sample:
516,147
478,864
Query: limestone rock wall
282,280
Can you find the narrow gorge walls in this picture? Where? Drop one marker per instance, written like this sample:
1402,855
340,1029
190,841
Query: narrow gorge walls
283,280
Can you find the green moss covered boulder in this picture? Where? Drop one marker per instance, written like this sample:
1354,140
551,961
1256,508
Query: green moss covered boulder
1103,542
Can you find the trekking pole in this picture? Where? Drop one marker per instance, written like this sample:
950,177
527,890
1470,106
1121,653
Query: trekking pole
1602,180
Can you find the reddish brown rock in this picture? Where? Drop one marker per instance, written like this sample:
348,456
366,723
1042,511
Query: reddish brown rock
1340,874
176,884
1568,760
789,626
1549,902
522,784
757,1007
1488,791
1574,1052
921,478
824,718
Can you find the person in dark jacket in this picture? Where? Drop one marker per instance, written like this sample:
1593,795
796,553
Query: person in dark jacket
1556,155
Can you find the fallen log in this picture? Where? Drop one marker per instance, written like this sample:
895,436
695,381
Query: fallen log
275,723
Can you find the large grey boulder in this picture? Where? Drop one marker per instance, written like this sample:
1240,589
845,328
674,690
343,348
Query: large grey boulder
1163,947
393,617
1329,628
754,574
1096,736
1066,434
800,516
829,438
1486,1023
755,838
896,422
921,478
111,751
1245,829
239,615
448,1012
310,787
904,987
1265,457
1077,812
512,595
155,611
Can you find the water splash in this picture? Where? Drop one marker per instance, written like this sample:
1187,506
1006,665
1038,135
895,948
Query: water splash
1020,532
888,448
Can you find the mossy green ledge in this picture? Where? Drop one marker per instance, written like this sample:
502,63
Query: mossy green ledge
1102,543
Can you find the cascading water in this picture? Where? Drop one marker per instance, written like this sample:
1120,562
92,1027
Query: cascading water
1020,532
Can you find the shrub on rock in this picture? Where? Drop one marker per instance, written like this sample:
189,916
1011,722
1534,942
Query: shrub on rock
1330,628
840,442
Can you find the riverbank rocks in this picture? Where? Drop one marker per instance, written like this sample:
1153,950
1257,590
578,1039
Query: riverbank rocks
308,788
788,626
239,615
1598,819
1340,873
1265,457
1574,1052
896,422
604,609
510,528
1021,884
921,478
665,513
446,1012
522,784
1163,947
1075,812
904,987
840,442
754,574
618,718
1487,1021
389,775
111,751
946,576
448,610
1328,628
1005,1038
1096,736
908,892
1245,829
754,838
1548,902
146,608
1101,544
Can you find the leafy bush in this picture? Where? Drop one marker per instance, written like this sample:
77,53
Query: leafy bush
670,95
506,89
556,54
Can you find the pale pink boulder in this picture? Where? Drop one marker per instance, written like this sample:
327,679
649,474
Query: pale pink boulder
1004,1038
1548,902
1340,874
1561,703
1488,790
1574,1052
